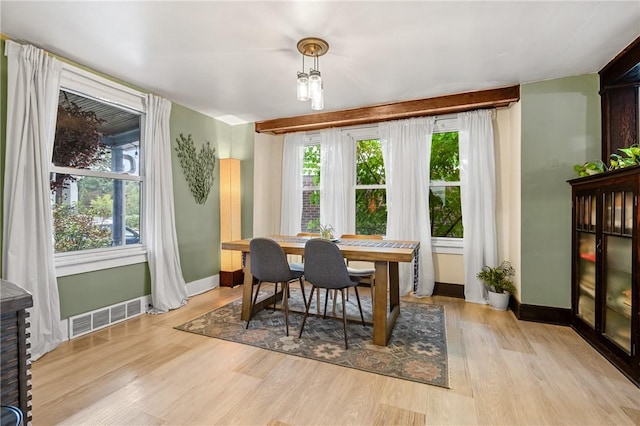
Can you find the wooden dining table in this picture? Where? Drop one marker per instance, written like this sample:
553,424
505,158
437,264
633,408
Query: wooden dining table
385,254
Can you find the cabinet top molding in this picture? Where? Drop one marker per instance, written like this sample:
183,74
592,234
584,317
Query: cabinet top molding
618,173
624,68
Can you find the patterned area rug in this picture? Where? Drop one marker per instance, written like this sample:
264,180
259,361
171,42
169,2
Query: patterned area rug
417,350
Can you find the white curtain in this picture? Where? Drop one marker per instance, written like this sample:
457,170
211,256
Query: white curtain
291,205
478,196
27,254
168,289
337,173
406,150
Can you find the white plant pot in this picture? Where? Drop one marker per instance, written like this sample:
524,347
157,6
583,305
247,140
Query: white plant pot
499,301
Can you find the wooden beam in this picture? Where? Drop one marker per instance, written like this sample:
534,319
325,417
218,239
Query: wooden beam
492,98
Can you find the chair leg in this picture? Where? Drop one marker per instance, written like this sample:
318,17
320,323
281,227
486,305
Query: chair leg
253,304
318,301
344,320
306,313
359,305
285,303
326,299
304,297
335,300
275,297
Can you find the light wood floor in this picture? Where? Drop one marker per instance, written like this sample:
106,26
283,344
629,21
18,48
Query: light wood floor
503,371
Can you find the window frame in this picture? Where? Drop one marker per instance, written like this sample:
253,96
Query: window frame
358,135
447,245
87,84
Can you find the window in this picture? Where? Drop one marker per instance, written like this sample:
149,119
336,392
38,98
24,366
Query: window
96,180
370,191
370,186
444,193
311,189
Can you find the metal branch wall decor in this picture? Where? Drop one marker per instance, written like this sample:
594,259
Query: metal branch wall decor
198,168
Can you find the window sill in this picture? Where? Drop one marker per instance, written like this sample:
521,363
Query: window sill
73,263
441,245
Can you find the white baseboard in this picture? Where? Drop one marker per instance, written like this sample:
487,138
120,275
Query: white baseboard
203,284
64,326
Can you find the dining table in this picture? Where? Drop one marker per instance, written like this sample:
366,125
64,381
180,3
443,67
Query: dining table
384,254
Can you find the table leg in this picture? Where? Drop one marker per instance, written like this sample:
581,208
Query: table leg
394,285
387,278
380,304
246,291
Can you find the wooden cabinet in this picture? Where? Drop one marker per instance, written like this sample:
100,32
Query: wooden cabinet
15,378
620,100
605,270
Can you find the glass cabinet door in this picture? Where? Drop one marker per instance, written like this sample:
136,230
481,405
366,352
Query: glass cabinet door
587,278
586,227
618,259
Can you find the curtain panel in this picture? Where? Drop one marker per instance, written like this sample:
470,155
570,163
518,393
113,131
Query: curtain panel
478,197
33,85
337,173
168,290
406,150
291,204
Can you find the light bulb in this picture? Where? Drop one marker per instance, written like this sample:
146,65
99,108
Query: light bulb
315,84
303,86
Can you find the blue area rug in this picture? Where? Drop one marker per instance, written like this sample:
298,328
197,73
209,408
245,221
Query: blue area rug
417,350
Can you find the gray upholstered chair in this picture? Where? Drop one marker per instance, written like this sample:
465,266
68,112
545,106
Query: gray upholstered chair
324,267
269,264
367,275
299,266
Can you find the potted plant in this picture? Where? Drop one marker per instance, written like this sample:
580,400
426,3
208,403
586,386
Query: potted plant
631,158
590,168
498,282
326,232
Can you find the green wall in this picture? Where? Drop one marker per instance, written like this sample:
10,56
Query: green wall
197,226
93,290
560,128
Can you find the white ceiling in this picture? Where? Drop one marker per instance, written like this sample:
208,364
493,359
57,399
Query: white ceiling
237,61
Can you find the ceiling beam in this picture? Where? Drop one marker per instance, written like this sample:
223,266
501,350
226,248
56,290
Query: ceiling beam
492,98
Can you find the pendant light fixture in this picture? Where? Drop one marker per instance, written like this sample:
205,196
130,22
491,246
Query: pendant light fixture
310,86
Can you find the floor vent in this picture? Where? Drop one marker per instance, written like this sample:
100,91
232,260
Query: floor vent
104,317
